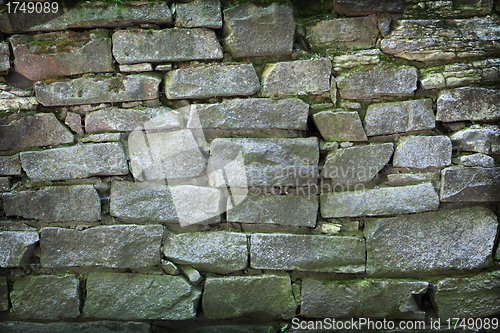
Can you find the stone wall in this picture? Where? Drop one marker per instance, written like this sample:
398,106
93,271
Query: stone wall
208,167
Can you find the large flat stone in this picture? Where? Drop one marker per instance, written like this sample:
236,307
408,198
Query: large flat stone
10,165
55,204
301,77
315,253
252,31
80,327
391,299
198,14
462,240
39,130
423,152
364,7
260,296
340,125
18,104
136,46
16,247
56,54
377,82
479,139
290,210
81,161
470,297
46,297
356,164
398,117
468,103
124,246
129,296
470,184
87,90
212,81
219,252
382,201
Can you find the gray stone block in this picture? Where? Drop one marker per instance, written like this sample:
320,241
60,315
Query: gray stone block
340,125
81,327
198,14
479,139
468,103
16,247
364,7
358,58
10,165
477,160
18,104
423,152
5,184
463,240
474,184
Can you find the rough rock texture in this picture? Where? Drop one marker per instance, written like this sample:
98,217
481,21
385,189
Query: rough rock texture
382,201
10,165
4,184
345,33
391,299
423,152
124,246
46,297
4,294
4,58
159,297
363,57
115,119
477,160
220,252
55,203
74,122
39,130
437,9
402,179
470,184
82,161
82,327
87,90
377,82
16,247
356,164
397,117
136,68
252,31
314,253
363,7
428,40
399,246
55,54
290,210
266,162
469,297
211,81
103,137
301,77
479,139
18,103
340,125
198,14
468,103
259,296
136,46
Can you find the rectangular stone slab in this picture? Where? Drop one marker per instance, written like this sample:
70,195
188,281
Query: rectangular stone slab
468,103
470,184
10,165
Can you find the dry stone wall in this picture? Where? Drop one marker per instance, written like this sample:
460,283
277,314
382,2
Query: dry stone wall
244,167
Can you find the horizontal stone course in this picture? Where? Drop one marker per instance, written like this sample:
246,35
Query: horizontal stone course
474,184
81,327
16,247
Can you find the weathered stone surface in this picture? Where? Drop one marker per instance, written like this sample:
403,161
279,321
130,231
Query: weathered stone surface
497,254
81,327
74,122
124,246
377,82
18,103
250,113
164,155
4,58
46,297
402,179
399,246
103,137
423,152
159,297
136,46
87,90
258,296
357,164
55,54
397,117
55,203
301,77
345,33
428,40
363,7
470,184
382,201
391,299
81,161
479,139
290,210
468,103
115,119
340,125
252,31
193,276
88,15
136,68
16,247
40,130
198,14
477,160
437,9
266,162
468,297
359,58
219,252
4,294
10,165
4,184
212,81
316,253
136,202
